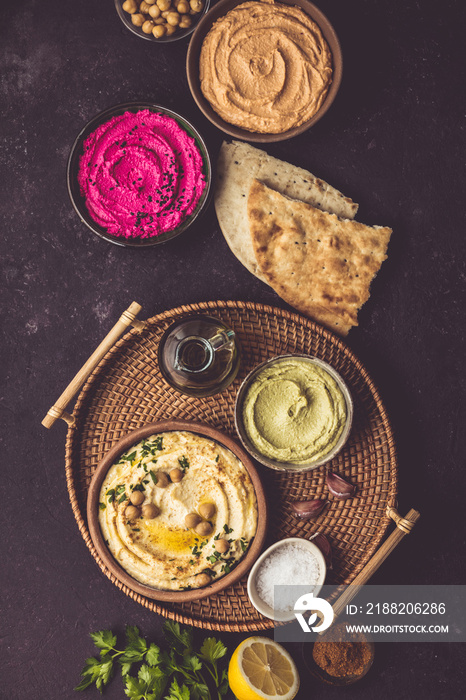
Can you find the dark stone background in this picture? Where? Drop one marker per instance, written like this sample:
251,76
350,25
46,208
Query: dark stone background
393,141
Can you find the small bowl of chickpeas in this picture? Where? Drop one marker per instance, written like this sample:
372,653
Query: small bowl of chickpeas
161,20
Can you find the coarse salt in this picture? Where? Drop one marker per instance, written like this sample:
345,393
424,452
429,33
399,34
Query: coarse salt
287,566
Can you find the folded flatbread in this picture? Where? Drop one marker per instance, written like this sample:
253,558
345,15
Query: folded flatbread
318,263
238,165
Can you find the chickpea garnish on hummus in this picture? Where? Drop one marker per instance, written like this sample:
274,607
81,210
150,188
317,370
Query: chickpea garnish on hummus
177,533
265,67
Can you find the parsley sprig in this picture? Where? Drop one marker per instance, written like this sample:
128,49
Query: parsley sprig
181,666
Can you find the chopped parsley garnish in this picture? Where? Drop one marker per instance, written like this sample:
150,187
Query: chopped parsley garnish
127,458
102,506
183,462
217,458
227,529
111,495
153,476
122,498
158,444
137,487
244,544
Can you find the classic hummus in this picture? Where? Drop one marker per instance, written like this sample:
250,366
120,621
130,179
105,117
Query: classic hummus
294,411
265,67
152,540
141,174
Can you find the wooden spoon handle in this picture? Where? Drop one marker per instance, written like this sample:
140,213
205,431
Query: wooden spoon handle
403,527
127,318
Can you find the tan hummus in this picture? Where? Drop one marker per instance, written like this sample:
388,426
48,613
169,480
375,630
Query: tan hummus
265,67
294,412
162,551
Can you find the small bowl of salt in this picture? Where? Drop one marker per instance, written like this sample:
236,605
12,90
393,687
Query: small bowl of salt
272,581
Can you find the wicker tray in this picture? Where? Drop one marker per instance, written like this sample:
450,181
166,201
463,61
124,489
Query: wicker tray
126,391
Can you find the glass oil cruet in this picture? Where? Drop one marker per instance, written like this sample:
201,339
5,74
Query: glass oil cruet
199,355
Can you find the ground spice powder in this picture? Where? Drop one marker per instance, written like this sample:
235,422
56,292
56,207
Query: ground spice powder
341,659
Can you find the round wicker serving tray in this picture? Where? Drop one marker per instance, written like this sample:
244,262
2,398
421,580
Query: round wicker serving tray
127,390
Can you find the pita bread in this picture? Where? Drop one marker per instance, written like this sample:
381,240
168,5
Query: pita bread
238,164
318,263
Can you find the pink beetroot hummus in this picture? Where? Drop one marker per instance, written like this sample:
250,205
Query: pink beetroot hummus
141,175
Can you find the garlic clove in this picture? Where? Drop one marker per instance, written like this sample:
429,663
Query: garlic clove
308,509
339,487
324,545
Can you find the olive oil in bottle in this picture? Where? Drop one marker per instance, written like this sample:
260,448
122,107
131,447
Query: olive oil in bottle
199,355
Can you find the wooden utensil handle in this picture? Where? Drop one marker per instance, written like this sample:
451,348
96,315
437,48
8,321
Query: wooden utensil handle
127,318
403,527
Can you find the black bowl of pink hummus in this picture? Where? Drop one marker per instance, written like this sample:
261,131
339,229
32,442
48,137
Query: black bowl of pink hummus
139,174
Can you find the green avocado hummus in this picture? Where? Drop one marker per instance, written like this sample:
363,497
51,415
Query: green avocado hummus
294,411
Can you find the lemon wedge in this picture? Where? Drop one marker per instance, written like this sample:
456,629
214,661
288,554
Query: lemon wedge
261,669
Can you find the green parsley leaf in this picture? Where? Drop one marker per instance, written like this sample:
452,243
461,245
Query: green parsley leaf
104,640
125,667
177,693
179,639
134,688
153,655
98,671
102,506
153,476
212,650
183,462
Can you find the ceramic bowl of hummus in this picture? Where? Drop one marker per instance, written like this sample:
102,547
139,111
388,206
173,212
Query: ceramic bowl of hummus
139,175
264,71
293,413
176,511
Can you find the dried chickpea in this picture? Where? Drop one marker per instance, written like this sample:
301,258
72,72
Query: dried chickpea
148,26
192,519
154,11
159,21
207,510
144,7
150,511
176,475
162,480
138,20
183,7
196,5
169,30
131,512
159,30
136,498
204,528
130,6
165,13
203,580
222,546
163,4
150,2
185,21
173,18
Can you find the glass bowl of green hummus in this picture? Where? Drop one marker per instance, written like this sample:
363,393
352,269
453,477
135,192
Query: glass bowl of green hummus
293,412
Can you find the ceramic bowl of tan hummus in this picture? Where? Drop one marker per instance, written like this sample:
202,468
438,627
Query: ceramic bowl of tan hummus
262,70
293,412
176,511
139,174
